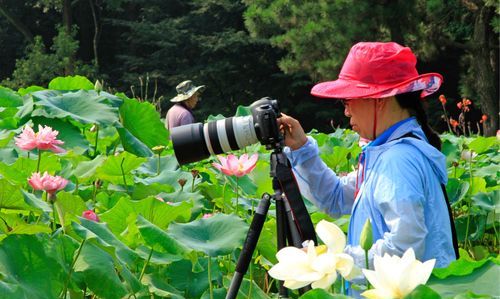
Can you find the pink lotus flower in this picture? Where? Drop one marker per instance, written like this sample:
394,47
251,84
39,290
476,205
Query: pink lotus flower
234,166
45,139
49,183
205,216
90,215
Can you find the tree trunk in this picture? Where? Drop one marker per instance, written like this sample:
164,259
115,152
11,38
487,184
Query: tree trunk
484,65
16,22
67,22
97,32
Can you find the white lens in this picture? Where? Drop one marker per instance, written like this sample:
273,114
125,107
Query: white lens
244,131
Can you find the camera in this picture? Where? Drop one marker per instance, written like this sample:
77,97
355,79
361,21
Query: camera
195,142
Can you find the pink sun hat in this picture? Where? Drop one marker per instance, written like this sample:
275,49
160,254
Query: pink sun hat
378,70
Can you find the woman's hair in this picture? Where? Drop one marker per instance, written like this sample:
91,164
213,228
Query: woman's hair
412,102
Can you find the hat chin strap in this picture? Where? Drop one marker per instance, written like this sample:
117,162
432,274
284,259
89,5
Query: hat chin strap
374,119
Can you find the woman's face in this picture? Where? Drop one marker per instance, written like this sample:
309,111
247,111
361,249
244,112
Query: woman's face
193,101
361,115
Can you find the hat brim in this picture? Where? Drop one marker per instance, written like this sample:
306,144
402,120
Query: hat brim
182,97
348,89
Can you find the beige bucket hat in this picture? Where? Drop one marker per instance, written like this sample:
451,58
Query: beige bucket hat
185,90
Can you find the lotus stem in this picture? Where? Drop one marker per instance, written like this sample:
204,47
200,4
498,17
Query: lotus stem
210,278
96,139
39,159
469,206
367,265
146,264
71,269
237,197
158,165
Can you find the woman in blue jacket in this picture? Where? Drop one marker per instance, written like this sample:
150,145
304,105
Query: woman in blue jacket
398,183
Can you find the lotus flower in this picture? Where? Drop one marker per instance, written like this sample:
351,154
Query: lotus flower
396,277
48,183
319,265
90,215
236,166
44,139
468,155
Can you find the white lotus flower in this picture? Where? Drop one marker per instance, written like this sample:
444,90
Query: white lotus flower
319,265
468,155
396,277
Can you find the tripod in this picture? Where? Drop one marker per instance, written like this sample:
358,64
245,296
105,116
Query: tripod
292,219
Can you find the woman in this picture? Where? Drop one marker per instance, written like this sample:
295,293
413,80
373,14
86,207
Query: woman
398,181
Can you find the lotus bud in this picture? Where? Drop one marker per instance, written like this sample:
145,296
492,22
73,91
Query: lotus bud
182,182
94,128
159,148
366,239
98,86
195,173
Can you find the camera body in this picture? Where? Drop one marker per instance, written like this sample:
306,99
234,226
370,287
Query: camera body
265,113
195,142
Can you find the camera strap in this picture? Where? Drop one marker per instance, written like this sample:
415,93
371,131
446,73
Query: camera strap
290,187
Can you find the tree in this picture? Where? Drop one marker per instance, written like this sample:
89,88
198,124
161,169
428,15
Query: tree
205,41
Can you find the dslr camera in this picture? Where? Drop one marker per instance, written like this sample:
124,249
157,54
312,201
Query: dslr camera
195,142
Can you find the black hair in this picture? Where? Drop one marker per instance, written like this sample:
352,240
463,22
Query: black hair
412,102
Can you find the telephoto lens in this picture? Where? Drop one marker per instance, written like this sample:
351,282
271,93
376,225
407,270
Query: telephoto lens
195,142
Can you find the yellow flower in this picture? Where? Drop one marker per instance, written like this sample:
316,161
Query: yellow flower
396,277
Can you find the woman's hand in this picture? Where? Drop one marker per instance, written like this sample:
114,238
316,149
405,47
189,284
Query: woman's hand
293,132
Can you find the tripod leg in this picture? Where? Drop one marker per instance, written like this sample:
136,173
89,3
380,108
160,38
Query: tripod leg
249,246
281,226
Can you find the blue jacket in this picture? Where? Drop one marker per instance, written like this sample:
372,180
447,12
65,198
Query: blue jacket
400,193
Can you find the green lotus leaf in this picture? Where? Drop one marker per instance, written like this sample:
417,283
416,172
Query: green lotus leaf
132,144
160,241
260,175
483,280
6,137
86,170
321,294
159,213
98,270
30,89
150,168
100,232
219,293
116,169
9,98
143,121
72,206
157,285
82,106
256,291
423,291
192,283
456,189
488,201
71,83
36,203
11,196
481,144
27,269
216,235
